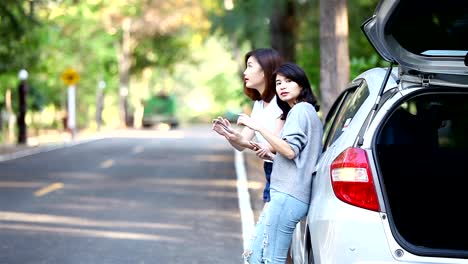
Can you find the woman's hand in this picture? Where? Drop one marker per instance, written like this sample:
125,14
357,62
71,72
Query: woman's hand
262,151
248,122
223,127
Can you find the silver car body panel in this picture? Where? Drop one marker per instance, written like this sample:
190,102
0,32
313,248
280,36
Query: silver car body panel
329,219
342,233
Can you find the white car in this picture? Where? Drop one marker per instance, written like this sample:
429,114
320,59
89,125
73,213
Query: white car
391,185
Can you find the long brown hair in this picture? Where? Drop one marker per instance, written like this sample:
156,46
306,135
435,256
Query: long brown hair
269,59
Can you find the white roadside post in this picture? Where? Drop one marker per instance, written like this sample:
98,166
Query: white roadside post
70,77
71,121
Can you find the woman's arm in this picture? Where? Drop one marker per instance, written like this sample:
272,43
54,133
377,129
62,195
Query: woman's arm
265,150
277,131
238,140
262,151
277,143
243,141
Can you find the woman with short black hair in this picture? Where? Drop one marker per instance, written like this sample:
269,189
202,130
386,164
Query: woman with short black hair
297,151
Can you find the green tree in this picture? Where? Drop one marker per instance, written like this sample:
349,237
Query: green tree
259,23
252,22
142,25
17,24
284,27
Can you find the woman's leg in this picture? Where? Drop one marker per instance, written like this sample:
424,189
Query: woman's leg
267,168
254,254
281,219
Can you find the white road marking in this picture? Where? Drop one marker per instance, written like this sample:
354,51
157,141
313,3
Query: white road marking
138,149
50,188
246,212
106,164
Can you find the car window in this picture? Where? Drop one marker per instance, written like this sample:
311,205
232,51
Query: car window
332,117
334,110
350,105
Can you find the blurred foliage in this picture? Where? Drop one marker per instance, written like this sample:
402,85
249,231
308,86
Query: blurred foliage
248,22
193,49
17,25
162,52
243,21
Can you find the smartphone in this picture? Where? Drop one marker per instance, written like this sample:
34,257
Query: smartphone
255,144
258,146
228,129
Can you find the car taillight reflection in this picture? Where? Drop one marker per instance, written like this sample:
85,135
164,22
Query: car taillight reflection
352,179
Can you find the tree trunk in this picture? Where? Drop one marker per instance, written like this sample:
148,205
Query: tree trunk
124,71
334,53
283,28
99,106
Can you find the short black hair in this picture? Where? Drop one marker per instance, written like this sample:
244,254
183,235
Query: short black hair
295,73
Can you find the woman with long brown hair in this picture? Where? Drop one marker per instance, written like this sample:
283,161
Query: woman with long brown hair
259,86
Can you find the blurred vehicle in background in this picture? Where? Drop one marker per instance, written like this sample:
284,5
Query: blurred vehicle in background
232,115
160,109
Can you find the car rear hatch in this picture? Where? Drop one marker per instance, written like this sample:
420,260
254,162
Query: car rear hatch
428,36
419,147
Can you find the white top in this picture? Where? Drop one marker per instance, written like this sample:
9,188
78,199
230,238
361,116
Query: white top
266,116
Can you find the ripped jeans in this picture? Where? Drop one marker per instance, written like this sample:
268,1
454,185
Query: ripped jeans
273,232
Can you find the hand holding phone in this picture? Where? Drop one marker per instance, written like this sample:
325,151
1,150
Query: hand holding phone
255,145
218,122
261,151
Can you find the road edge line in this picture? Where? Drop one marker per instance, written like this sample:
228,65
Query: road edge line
245,207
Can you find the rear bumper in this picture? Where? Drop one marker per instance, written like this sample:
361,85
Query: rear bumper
341,233
153,120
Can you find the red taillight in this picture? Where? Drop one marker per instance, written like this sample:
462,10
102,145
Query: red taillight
352,179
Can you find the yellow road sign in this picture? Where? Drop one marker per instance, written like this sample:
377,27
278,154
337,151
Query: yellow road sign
70,76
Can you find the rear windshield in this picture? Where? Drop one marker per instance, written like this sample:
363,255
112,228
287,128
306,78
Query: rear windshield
431,27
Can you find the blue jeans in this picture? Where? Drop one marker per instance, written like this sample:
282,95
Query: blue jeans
267,167
273,232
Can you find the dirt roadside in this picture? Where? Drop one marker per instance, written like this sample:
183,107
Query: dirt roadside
34,143
45,139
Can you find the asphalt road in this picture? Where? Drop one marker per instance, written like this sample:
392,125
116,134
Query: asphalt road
142,197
